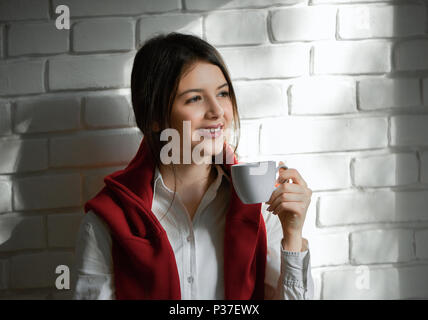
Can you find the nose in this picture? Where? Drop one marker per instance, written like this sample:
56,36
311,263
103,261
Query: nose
214,109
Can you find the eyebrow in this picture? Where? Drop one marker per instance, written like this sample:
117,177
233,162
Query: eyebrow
200,90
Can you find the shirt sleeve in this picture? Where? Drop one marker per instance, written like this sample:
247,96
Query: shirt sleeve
288,274
93,261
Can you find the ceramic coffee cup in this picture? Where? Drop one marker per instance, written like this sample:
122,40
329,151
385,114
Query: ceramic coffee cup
254,182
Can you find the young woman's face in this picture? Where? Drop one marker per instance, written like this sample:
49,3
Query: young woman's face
203,99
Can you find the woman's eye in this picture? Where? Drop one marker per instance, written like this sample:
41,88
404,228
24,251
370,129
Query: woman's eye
224,94
193,99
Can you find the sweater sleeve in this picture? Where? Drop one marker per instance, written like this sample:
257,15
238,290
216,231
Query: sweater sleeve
288,274
93,260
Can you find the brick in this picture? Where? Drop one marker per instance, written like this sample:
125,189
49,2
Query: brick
323,95
47,114
411,55
407,130
62,229
414,282
319,23
381,22
23,155
21,77
330,172
112,7
20,232
93,182
375,94
4,271
47,191
260,99
347,57
37,270
103,35
383,283
205,5
5,125
94,149
421,239
36,38
5,196
236,27
329,249
372,207
249,140
184,23
90,72
381,246
386,170
268,61
355,134
24,10
108,111
424,167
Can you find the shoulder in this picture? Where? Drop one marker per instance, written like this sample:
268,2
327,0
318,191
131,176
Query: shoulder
94,228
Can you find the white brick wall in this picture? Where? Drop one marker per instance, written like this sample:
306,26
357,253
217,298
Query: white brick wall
81,72
337,89
386,170
236,27
36,38
323,95
367,21
348,57
47,114
155,24
103,35
381,246
21,77
384,93
411,55
320,24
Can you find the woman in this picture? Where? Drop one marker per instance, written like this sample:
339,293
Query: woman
160,230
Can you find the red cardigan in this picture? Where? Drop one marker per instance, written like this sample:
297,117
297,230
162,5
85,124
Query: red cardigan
144,264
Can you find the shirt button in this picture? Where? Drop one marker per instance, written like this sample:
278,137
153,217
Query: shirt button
190,279
189,238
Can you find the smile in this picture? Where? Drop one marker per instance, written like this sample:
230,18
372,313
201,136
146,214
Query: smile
211,133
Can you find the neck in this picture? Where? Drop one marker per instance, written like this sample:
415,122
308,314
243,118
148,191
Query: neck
187,175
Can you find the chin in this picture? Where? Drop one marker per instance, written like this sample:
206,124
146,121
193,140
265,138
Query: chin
211,148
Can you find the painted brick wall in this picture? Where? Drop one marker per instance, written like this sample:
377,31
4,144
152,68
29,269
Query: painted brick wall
336,88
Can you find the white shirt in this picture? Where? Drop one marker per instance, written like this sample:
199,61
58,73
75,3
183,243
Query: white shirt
198,248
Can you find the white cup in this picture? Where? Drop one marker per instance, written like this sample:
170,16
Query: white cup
254,182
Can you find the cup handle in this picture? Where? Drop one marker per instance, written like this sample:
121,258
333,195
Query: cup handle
284,167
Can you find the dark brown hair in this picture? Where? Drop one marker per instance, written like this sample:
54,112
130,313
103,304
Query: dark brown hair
158,67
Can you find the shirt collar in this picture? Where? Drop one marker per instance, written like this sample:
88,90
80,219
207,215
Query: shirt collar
159,183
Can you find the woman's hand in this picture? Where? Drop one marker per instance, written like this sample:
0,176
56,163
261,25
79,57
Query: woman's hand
290,201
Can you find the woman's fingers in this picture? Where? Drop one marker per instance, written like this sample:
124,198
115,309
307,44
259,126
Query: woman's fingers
291,174
287,188
286,197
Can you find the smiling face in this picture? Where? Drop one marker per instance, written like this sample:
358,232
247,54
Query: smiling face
203,99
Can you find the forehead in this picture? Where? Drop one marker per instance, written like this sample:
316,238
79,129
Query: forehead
202,74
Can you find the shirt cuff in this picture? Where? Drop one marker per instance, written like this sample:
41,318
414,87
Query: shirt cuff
294,265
